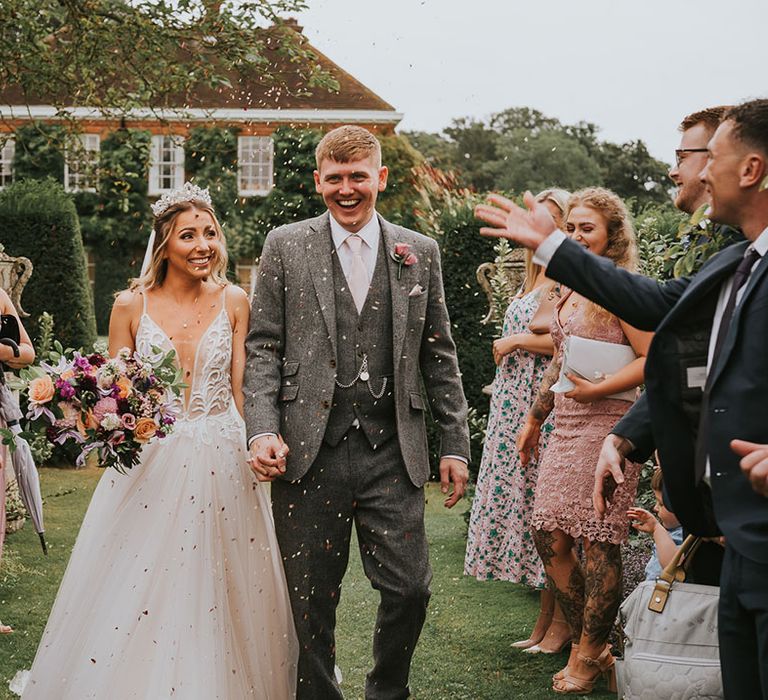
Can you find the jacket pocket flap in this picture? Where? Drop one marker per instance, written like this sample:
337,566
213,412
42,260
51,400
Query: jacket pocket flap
417,401
289,392
290,368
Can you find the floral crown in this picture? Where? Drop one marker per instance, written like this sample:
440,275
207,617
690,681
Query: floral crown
188,192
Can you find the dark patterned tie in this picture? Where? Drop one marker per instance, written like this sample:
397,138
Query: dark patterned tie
739,280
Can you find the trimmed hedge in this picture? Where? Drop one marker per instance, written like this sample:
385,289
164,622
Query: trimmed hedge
38,220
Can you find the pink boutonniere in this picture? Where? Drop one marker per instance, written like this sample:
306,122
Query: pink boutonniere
403,256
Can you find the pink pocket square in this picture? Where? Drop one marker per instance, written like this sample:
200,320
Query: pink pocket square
417,291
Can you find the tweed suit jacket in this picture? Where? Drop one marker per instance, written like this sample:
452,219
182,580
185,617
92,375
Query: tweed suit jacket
681,312
291,346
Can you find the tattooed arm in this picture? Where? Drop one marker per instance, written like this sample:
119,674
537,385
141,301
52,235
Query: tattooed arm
528,438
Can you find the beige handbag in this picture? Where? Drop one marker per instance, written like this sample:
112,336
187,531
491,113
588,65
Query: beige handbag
541,320
670,637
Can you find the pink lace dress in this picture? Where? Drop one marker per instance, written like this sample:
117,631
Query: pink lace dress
566,473
499,543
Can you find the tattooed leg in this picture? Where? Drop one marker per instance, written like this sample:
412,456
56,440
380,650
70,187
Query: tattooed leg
603,594
564,573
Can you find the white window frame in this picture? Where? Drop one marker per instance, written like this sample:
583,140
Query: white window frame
74,174
166,168
7,154
255,165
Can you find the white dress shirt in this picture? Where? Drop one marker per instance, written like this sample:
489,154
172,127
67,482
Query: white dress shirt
370,234
551,243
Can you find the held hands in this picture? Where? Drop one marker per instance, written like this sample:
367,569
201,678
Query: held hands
453,470
754,463
584,391
502,347
267,459
643,520
527,227
609,472
528,440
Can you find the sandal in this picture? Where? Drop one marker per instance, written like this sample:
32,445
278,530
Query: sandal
563,671
558,645
604,665
534,639
5,629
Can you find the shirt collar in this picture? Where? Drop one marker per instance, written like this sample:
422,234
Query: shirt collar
761,243
369,233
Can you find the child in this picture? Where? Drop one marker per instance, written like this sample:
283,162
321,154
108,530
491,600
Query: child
667,534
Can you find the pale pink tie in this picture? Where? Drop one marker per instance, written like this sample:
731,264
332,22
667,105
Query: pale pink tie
357,275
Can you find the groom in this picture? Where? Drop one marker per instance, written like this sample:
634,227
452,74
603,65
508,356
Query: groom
348,324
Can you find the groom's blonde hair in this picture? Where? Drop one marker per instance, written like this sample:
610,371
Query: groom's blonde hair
346,144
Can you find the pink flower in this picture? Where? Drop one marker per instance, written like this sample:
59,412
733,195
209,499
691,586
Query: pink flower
410,259
403,256
104,406
402,249
129,421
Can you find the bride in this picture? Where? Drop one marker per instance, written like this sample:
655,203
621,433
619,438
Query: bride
175,588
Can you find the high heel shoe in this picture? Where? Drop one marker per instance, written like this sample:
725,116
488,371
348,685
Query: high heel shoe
534,639
563,671
603,665
555,647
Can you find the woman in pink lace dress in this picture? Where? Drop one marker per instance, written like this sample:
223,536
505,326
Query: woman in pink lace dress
563,511
499,542
8,357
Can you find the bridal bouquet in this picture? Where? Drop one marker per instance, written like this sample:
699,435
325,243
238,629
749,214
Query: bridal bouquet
113,406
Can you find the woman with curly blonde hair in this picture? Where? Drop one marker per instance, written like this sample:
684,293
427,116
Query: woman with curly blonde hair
563,513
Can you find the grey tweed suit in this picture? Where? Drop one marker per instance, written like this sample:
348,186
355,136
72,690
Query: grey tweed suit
354,458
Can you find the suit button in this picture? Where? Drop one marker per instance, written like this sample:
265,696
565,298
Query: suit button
333,364
325,403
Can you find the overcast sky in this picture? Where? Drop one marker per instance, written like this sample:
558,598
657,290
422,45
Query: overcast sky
633,67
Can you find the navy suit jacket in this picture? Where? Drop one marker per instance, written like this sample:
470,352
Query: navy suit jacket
681,312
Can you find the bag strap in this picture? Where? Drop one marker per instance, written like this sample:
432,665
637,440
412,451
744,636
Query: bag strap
674,571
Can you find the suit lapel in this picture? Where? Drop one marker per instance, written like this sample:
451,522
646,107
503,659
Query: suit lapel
705,282
319,247
730,340
396,287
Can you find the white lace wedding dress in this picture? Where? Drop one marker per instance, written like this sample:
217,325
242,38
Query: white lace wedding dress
175,588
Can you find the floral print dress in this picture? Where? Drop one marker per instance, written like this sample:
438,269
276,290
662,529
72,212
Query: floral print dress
499,543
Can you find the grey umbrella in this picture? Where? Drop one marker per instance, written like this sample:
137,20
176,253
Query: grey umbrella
23,464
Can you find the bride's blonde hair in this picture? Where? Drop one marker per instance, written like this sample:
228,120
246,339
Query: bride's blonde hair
163,226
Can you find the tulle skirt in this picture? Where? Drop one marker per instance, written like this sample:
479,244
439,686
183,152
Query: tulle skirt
175,588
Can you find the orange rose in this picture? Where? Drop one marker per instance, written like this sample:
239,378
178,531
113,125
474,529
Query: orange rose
67,374
125,386
145,430
41,389
89,422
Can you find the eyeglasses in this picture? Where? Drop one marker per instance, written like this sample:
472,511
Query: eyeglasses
679,153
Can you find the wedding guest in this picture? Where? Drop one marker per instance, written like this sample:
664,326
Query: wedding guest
598,221
666,531
499,543
15,358
707,377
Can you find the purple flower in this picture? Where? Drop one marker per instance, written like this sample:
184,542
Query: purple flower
66,390
82,363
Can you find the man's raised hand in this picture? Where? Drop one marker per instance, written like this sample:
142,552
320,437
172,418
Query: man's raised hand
507,220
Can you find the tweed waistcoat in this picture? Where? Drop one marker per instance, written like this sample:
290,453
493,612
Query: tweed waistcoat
368,333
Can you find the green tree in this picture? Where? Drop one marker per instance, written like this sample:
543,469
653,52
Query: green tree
115,55
38,220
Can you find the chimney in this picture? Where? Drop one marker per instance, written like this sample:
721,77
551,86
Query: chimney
293,23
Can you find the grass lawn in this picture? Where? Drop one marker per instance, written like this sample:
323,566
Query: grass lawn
464,652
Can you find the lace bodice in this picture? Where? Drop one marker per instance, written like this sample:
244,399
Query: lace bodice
210,391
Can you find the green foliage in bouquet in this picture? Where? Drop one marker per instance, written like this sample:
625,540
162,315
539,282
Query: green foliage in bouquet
38,220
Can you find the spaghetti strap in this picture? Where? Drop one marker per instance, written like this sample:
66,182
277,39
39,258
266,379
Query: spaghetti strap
144,302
